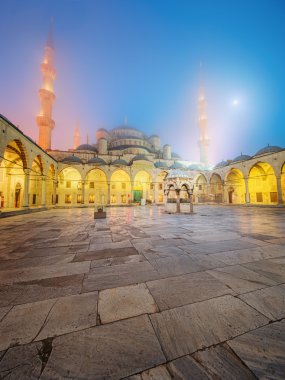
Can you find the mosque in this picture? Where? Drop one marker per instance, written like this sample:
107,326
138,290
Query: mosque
124,166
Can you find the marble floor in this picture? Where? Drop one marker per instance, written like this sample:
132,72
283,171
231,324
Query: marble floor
143,294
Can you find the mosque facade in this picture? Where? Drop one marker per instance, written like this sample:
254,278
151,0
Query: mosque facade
123,166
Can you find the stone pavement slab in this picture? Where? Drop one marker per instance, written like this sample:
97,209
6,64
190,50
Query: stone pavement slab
248,255
221,362
106,253
38,290
22,324
241,279
22,363
272,268
262,350
186,368
125,302
38,273
186,329
110,351
182,290
118,275
269,301
218,246
70,314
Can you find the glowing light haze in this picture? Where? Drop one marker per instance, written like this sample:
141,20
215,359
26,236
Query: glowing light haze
140,59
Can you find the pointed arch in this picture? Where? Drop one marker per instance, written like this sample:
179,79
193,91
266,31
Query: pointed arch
234,186
262,184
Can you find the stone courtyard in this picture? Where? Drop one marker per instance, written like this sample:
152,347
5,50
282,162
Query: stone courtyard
143,294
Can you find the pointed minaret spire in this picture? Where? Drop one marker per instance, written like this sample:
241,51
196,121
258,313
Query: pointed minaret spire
50,41
203,124
44,119
76,136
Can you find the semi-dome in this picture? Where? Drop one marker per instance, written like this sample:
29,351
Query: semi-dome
241,157
140,157
72,159
97,161
221,164
120,162
177,173
160,164
177,165
87,147
268,149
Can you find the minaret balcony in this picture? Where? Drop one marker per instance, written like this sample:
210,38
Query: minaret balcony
45,121
46,94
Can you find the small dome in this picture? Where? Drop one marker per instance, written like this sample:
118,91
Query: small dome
120,162
241,157
177,165
175,155
194,167
87,147
97,161
221,164
160,164
72,159
140,157
177,173
268,149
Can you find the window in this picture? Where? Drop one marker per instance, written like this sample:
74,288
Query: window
273,197
160,186
79,198
113,186
34,199
123,198
91,198
67,198
200,187
123,186
68,184
160,198
91,185
259,197
113,198
79,185
151,186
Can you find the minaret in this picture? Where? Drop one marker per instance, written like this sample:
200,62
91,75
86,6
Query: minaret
76,137
203,127
44,119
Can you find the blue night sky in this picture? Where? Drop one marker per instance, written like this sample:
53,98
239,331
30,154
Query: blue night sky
140,59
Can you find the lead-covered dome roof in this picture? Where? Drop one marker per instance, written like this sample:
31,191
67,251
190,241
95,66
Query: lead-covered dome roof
241,157
97,161
120,162
160,164
221,164
87,147
268,149
72,159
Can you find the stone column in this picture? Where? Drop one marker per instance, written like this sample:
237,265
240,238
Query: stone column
44,191
26,188
82,192
109,195
155,192
247,198
279,190
132,192
54,192
177,200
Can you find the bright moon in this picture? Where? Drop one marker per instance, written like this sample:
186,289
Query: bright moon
235,102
